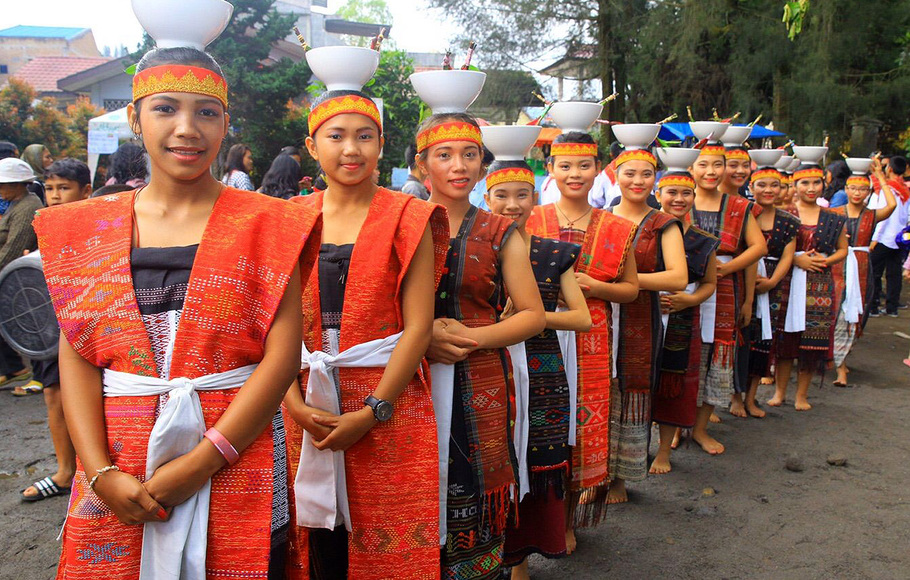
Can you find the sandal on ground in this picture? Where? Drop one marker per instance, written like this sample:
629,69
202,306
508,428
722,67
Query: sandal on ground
32,388
10,380
839,384
46,488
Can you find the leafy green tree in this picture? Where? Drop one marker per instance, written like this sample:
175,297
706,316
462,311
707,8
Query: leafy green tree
505,92
371,11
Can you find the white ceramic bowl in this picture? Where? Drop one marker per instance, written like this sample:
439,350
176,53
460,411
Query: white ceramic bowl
448,91
794,165
766,157
575,115
783,164
343,68
708,129
859,165
677,158
809,155
636,135
174,23
736,135
510,142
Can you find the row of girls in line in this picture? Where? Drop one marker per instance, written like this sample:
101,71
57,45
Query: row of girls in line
187,317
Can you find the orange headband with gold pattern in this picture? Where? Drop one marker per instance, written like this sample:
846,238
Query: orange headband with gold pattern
573,149
766,173
342,105
174,78
510,175
676,180
859,180
737,153
451,131
713,149
635,155
811,172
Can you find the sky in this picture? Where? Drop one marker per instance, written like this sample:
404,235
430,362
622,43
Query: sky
113,23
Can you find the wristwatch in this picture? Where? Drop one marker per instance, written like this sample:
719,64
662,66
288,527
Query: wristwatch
382,410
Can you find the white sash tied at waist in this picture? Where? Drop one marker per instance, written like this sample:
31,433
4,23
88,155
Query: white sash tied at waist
708,310
175,549
665,318
320,486
763,304
443,389
569,349
796,307
520,375
853,299
615,321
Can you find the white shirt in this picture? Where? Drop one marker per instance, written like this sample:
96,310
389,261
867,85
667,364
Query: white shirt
886,231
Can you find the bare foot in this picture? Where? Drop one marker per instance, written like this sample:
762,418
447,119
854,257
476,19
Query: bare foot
754,410
714,418
617,493
777,400
709,444
767,380
661,464
676,438
802,405
520,572
736,408
571,542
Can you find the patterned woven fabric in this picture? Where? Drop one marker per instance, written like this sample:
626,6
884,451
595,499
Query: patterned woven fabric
395,534
604,247
640,339
239,276
481,464
174,78
677,392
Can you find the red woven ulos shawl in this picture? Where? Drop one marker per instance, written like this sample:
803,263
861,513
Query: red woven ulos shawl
862,237
239,276
602,257
392,491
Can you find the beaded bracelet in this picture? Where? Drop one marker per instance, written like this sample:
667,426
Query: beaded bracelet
222,445
101,472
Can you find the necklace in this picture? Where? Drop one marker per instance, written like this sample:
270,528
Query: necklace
570,223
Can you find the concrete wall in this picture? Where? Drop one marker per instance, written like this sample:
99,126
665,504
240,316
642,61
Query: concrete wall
15,52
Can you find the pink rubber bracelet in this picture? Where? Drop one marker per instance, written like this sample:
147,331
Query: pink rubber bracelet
222,445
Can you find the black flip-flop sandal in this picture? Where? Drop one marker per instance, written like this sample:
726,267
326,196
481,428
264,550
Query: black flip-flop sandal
46,488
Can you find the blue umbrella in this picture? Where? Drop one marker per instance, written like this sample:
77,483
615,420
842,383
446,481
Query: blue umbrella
681,132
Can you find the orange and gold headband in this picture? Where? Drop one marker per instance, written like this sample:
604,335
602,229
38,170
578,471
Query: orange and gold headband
676,180
451,131
766,173
713,149
737,153
859,180
174,78
510,175
573,149
342,105
811,172
635,155
784,179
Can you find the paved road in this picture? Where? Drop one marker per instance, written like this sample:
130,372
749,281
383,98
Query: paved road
763,521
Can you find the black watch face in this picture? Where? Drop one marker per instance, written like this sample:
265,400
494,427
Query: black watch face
383,410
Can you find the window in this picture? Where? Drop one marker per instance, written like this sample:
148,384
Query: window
4,69
115,104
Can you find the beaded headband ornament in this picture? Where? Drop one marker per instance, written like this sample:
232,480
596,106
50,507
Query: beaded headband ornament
510,175
451,131
174,78
808,172
859,180
635,155
737,153
713,149
676,180
766,173
341,105
784,179
574,149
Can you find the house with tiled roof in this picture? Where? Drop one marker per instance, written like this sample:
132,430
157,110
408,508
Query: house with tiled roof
44,72
20,44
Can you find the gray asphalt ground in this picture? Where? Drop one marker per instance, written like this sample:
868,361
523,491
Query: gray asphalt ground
757,519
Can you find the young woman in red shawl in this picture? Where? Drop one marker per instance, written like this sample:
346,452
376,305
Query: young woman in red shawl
607,274
675,402
544,459
729,217
821,243
660,259
853,276
471,378
180,314
369,315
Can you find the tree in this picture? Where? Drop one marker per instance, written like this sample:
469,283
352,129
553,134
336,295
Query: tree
371,11
79,114
505,92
